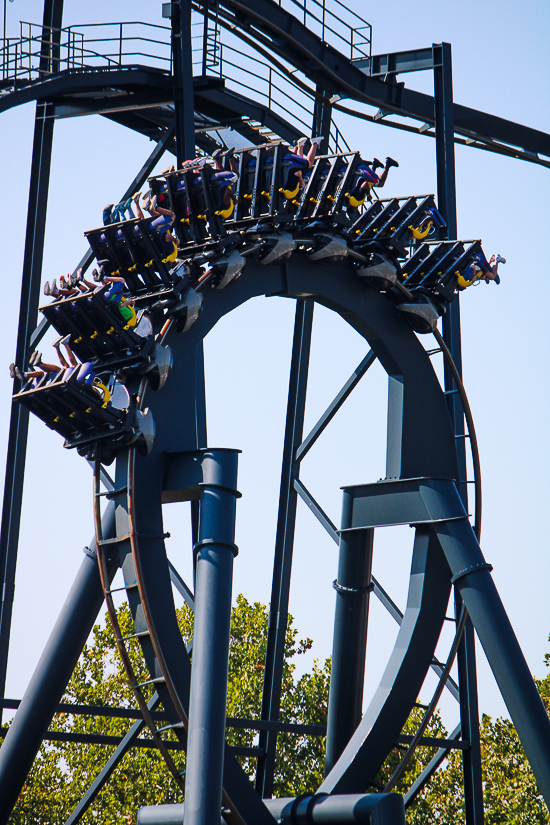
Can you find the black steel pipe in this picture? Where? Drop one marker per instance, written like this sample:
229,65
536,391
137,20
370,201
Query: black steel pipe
52,674
215,551
350,636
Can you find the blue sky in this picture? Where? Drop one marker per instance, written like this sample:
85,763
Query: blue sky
501,65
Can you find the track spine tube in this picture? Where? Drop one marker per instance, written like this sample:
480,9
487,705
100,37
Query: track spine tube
121,646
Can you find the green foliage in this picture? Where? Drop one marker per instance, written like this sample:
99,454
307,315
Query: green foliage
63,771
510,792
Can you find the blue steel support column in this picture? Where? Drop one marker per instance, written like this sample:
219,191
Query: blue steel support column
52,675
182,68
284,543
19,420
446,201
350,636
30,292
446,194
207,704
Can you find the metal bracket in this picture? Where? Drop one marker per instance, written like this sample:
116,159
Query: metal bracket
205,542
355,590
477,568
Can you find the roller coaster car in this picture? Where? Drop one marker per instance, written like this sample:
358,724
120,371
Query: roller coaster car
276,247
132,250
87,414
435,267
328,249
423,314
70,408
381,270
97,327
396,220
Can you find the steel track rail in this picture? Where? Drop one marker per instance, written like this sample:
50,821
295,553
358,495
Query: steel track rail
471,431
396,695
285,35
120,639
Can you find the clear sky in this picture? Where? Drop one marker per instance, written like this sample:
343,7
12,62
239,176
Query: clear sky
501,65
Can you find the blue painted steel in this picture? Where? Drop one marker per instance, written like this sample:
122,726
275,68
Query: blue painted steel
284,543
350,636
19,419
451,530
215,551
446,193
408,665
333,408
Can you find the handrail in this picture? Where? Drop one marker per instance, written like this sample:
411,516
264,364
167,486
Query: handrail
274,84
354,36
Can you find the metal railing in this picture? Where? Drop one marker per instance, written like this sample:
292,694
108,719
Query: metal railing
40,52
253,77
334,23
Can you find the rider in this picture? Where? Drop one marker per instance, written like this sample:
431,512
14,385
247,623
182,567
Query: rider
368,178
481,269
162,223
298,165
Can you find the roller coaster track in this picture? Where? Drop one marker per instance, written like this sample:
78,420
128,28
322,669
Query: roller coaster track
139,527
426,452
228,263
275,32
140,545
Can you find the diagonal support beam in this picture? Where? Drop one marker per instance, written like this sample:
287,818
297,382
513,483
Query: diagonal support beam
52,674
333,408
116,758
316,509
434,763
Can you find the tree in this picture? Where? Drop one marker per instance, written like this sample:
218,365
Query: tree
63,771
